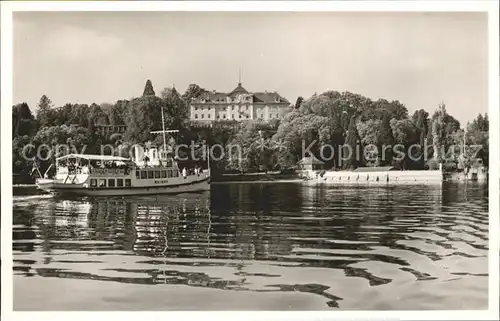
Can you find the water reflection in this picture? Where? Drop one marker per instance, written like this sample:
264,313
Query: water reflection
328,242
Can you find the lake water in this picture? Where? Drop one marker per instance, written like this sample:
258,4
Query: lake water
253,246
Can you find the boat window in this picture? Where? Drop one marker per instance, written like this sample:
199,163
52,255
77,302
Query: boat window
157,174
176,173
127,182
137,174
93,182
150,174
169,173
102,183
119,182
164,174
111,182
144,175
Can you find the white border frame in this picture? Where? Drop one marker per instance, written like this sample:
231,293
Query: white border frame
490,6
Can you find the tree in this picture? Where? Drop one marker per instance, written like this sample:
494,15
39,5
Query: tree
114,113
443,127
368,132
21,159
251,149
142,116
23,122
330,103
385,142
421,120
337,136
96,113
193,92
478,135
353,142
298,131
438,132
406,135
175,108
148,89
44,111
299,102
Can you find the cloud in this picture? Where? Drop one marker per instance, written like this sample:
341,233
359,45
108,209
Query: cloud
75,43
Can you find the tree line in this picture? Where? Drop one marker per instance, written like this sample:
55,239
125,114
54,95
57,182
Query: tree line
331,118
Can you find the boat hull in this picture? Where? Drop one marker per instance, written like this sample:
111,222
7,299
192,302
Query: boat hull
80,190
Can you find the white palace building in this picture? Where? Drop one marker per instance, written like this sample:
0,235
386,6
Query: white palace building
238,105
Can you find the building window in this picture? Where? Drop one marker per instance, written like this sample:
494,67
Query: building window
232,107
240,116
164,174
93,182
224,116
196,108
232,116
208,108
128,183
150,174
261,115
202,116
196,116
144,175
102,183
111,182
157,174
119,182
218,116
248,116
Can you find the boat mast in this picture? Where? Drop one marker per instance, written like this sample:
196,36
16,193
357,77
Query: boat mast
164,131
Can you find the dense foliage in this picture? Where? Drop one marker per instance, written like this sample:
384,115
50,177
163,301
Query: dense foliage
322,125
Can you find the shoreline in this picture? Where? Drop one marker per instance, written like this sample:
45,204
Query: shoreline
298,180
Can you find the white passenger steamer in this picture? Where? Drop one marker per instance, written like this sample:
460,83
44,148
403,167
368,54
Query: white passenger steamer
103,175
79,174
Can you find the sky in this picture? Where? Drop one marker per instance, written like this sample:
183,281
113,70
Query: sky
420,59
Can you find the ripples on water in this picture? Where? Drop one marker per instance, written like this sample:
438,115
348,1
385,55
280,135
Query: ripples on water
256,246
